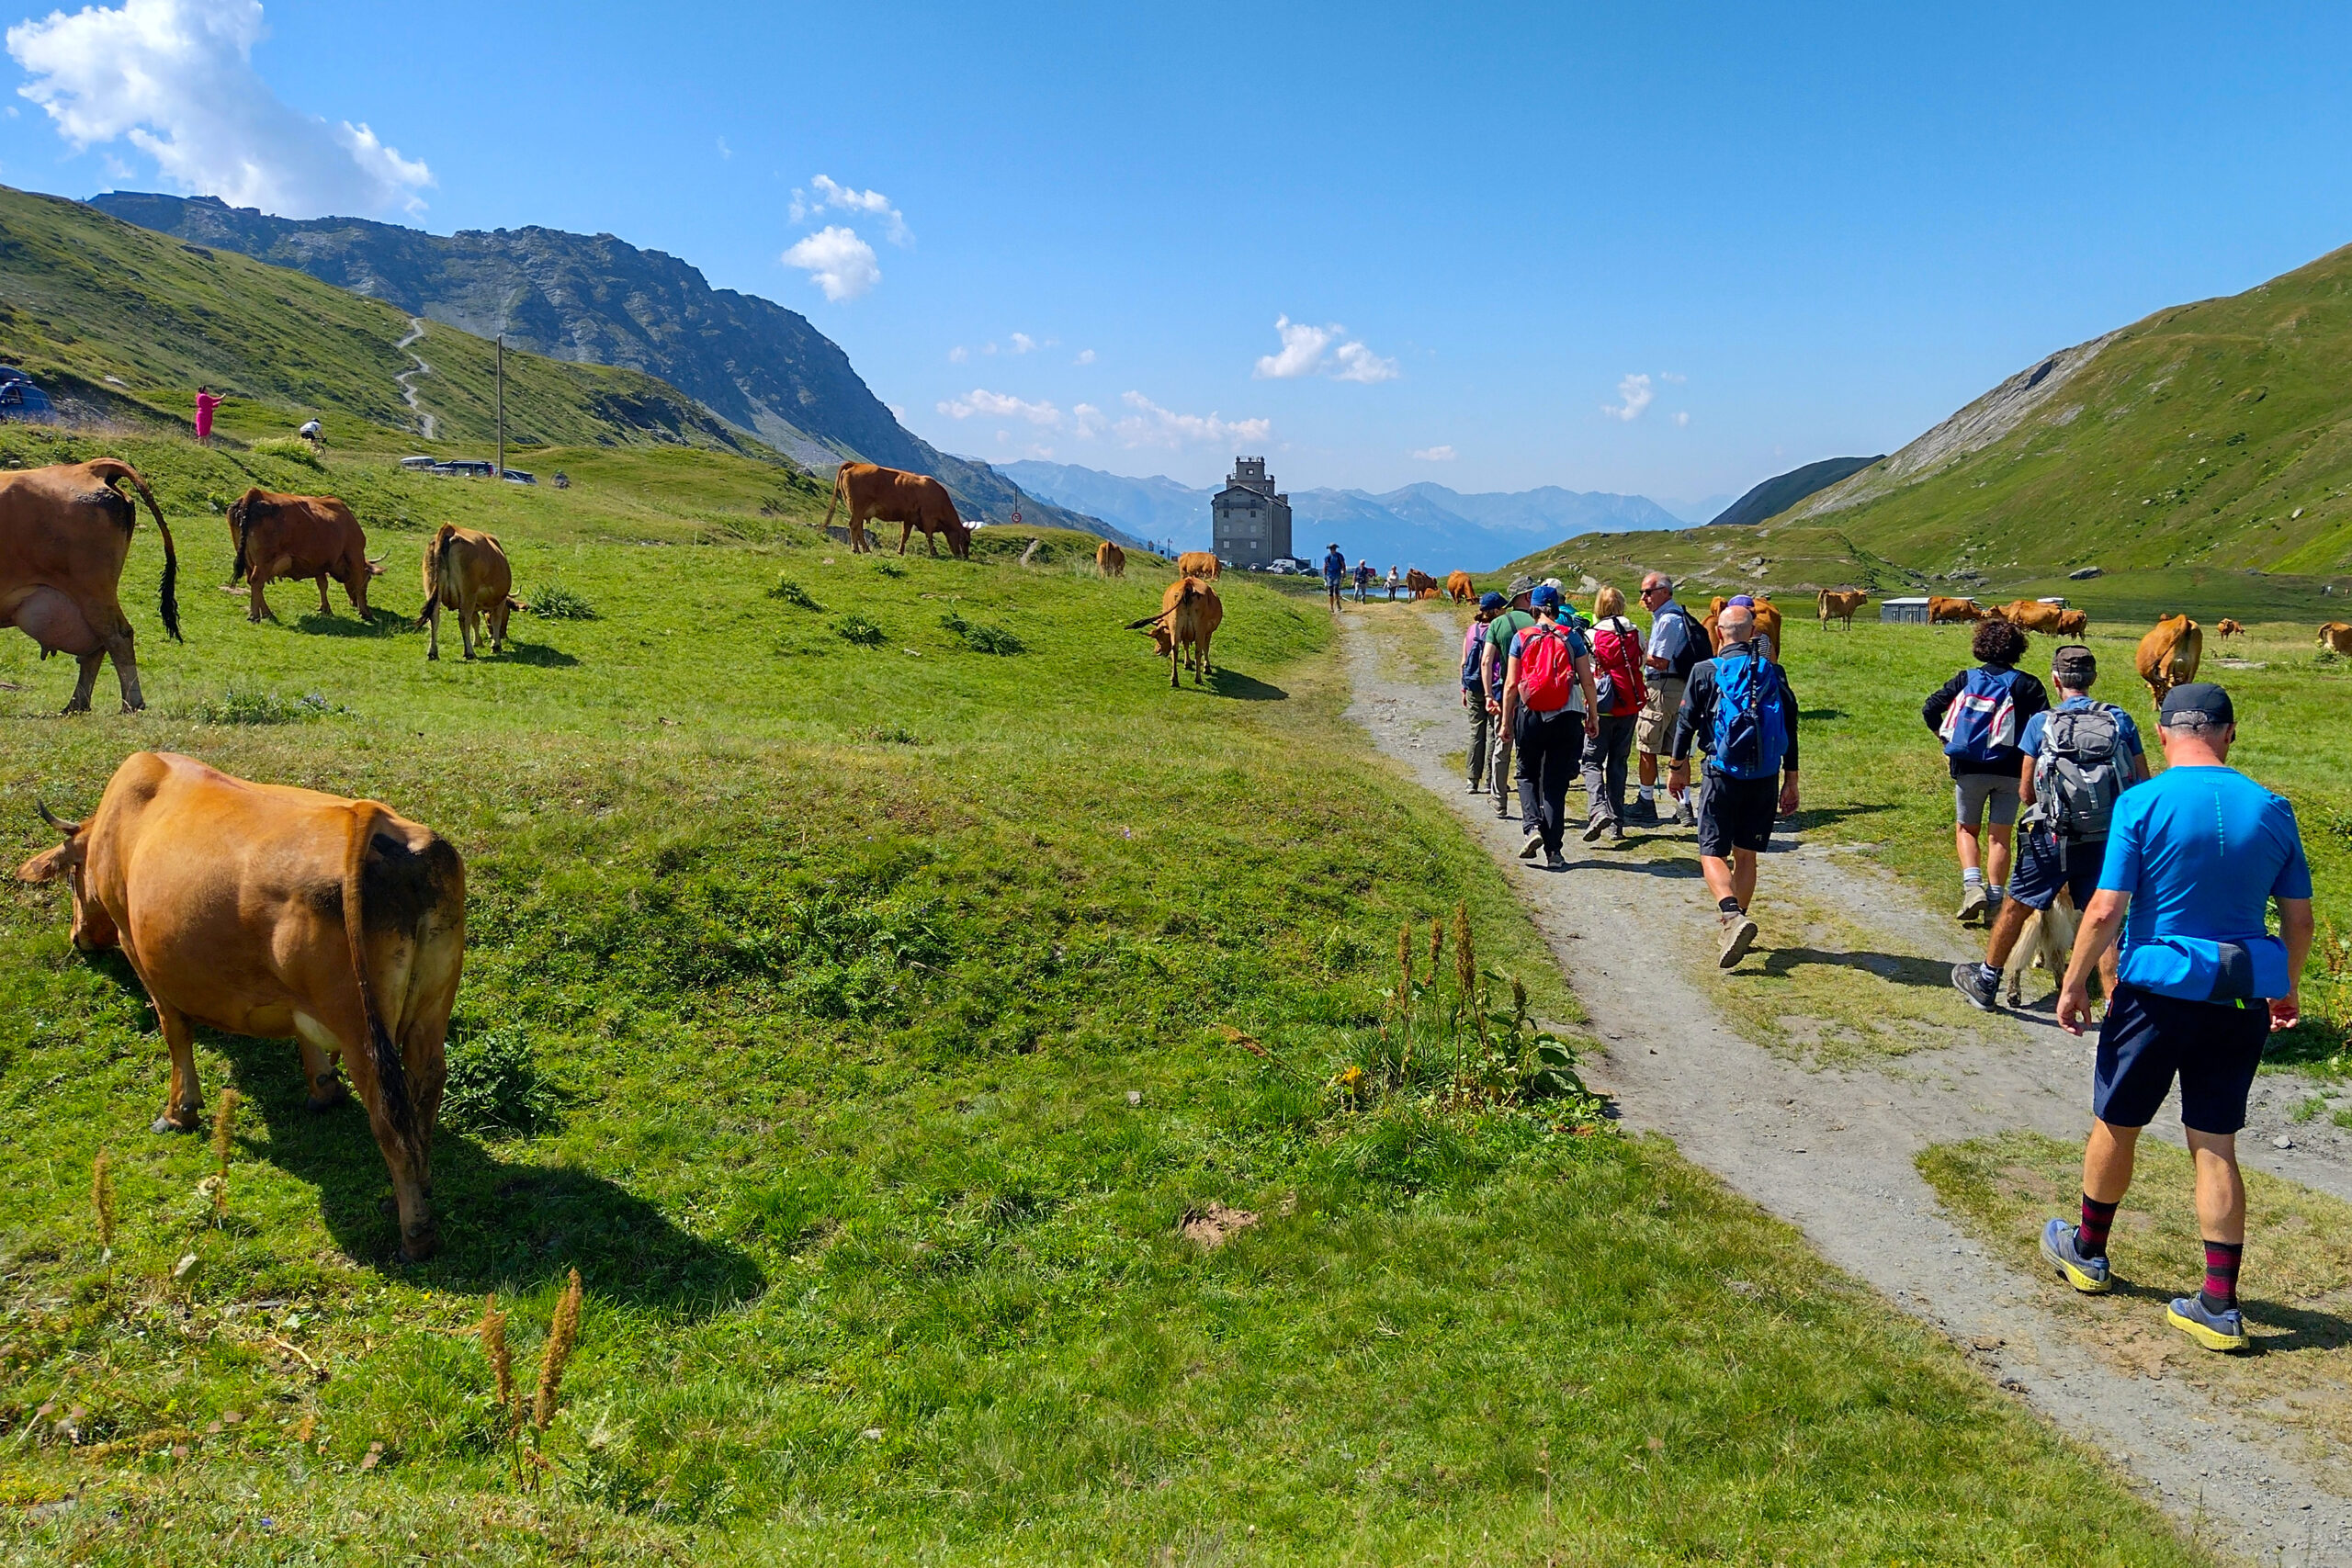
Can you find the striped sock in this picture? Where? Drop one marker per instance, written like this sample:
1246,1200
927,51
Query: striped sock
2220,1292
2090,1236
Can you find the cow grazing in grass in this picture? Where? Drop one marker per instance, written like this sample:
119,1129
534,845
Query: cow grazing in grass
2228,629
1190,612
1768,623
1839,604
299,536
1110,559
1941,610
2337,636
1459,588
2073,623
467,572
1420,584
2031,614
271,912
872,493
64,535
2169,655
1201,564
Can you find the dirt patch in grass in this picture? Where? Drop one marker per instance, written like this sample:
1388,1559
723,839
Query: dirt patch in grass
2296,1291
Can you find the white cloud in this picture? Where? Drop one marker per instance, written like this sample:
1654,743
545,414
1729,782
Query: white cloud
1087,422
1672,379
724,150
1152,426
836,261
1308,351
1634,395
957,354
872,203
1023,342
176,79
1434,455
1085,357
1681,419
1002,405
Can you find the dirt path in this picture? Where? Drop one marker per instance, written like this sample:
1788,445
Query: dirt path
406,379
1830,1149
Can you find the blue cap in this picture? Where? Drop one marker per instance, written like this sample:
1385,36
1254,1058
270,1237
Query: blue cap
1545,597
1746,601
1492,601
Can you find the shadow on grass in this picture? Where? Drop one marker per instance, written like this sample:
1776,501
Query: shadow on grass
1822,816
379,623
536,654
505,1225
2275,1327
1244,688
1903,968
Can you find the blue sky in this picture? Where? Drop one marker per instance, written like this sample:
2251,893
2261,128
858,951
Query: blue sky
1814,229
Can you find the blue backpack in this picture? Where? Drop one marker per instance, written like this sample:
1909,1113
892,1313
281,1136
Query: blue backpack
1981,724
1752,717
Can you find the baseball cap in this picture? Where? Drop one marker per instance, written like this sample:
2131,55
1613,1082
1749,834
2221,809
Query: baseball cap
2198,702
1492,601
1545,597
1746,601
1519,585
2074,664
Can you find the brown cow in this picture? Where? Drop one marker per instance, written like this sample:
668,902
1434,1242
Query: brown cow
271,912
2169,655
1200,563
1839,604
2337,636
297,536
2031,614
1459,588
2229,628
1420,584
2073,623
467,572
64,535
1940,609
1190,612
874,493
1768,623
1110,559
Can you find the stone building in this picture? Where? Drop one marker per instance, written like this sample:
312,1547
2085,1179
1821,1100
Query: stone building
1249,521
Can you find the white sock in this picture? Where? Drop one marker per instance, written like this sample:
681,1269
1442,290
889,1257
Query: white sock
1647,793
1970,876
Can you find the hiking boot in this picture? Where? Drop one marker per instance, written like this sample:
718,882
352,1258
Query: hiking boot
1969,980
1639,809
2223,1330
1738,931
1686,815
1529,850
2087,1275
1601,822
1555,860
1475,788
1972,902
1616,832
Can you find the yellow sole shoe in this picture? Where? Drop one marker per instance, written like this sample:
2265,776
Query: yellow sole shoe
2211,1338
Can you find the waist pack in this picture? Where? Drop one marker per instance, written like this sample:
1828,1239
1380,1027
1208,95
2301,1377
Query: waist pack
1752,717
2196,969
1982,723
2078,772
1547,667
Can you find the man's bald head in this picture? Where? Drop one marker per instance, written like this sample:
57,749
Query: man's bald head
1736,624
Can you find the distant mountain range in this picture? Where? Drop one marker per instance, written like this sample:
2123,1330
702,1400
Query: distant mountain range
1425,525
595,299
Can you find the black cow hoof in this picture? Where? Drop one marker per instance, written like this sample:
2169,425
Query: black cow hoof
319,1104
165,1124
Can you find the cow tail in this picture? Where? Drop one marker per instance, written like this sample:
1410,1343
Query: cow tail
391,1074
436,566
835,498
237,518
109,470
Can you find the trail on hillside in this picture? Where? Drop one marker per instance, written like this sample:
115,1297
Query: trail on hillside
406,379
1830,1148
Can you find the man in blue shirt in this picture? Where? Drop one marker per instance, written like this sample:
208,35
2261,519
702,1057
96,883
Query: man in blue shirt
2194,859
1335,574
2070,793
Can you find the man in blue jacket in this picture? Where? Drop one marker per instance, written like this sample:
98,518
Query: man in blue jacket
2194,857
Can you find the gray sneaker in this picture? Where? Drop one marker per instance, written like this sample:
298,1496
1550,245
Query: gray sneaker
1686,815
1534,847
1969,980
2087,1275
1739,932
1972,899
1555,860
1600,824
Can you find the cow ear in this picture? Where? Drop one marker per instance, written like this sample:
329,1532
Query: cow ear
46,866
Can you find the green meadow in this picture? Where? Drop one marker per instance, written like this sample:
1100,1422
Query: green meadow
873,967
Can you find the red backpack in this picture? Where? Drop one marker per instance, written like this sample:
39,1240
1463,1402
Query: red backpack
1620,661
1547,667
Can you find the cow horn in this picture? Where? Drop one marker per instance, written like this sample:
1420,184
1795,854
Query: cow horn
68,829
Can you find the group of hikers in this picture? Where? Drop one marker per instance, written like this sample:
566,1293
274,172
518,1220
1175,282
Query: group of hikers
2173,874
1337,575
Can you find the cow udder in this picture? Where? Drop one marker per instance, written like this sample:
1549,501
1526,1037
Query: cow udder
52,620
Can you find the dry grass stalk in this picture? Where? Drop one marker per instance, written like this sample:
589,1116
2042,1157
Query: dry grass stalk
564,1334
224,1126
1436,944
102,1198
502,1359
1404,962
1465,961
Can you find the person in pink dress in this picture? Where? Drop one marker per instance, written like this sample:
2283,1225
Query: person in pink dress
206,399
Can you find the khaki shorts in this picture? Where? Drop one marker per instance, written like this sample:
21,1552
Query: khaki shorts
1653,733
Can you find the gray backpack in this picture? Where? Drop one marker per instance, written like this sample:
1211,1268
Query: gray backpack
2079,771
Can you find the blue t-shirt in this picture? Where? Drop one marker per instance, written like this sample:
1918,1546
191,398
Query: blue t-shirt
2029,738
1335,567
2202,851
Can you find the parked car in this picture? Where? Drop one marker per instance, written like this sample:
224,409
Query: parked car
20,400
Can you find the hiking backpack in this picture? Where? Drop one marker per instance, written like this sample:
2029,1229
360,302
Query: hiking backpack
1547,667
1474,655
1696,648
1620,688
1752,717
1981,722
2079,769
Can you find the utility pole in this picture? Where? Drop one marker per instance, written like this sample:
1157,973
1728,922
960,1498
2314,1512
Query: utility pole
500,472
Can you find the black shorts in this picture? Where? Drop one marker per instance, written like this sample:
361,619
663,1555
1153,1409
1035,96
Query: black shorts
2212,1048
2046,863
1737,814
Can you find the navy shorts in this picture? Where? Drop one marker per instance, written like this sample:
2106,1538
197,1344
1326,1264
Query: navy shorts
2045,864
1737,814
2212,1048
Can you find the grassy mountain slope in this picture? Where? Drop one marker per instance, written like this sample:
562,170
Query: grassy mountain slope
127,322
2212,435
593,298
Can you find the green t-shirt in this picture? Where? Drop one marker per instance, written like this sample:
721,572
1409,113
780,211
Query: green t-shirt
1499,631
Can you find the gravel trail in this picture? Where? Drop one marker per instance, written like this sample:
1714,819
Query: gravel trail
1830,1149
406,379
